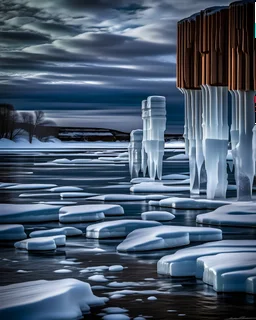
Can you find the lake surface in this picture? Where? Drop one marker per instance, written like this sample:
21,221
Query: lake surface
176,297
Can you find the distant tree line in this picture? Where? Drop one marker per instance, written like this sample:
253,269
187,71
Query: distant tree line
14,123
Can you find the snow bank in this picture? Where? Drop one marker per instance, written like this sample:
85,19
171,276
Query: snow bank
76,194
183,263
30,186
179,157
118,197
237,214
228,272
66,189
13,213
67,231
163,237
42,243
89,212
194,204
157,215
12,232
117,228
43,299
157,187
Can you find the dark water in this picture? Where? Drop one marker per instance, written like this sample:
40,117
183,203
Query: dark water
184,297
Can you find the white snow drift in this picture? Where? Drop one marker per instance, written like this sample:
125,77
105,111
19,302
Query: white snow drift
88,212
117,228
43,299
162,237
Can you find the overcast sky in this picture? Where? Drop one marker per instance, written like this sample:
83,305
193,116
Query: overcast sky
91,62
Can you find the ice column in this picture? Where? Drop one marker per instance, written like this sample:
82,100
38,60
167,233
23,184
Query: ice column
134,150
243,154
145,119
185,135
154,144
215,139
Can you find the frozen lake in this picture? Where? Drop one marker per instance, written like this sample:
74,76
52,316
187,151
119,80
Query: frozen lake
176,297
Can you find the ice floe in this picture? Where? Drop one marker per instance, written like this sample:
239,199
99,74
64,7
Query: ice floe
115,268
66,189
175,176
98,278
118,197
183,262
163,237
41,243
62,271
179,157
13,213
67,231
89,212
77,194
157,216
189,203
237,214
157,187
117,228
30,186
12,232
43,299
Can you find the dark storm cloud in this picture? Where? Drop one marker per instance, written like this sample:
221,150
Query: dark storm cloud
94,56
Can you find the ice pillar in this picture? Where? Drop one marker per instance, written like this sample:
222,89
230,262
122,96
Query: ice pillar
243,152
185,135
145,119
215,139
134,150
154,144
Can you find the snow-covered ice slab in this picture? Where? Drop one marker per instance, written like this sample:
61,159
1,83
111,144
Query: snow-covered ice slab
12,232
77,195
179,157
43,299
162,237
189,203
66,189
118,197
19,213
175,176
142,179
157,216
157,187
228,272
67,231
183,263
89,212
31,186
237,214
117,228
41,243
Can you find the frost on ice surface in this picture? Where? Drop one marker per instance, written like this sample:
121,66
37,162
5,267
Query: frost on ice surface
154,124
66,189
41,243
162,237
118,197
67,231
12,232
117,228
188,203
183,263
157,215
77,195
12,213
89,212
237,214
43,299
134,149
228,272
157,187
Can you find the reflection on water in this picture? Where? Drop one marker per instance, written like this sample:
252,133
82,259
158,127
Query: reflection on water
187,298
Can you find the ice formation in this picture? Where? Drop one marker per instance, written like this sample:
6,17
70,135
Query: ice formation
12,232
89,212
77,194
157,187
67,231
154,124
66,189
157,216
118,197
43,299
183,263
163,237
135,152
188,203
41,243
117,228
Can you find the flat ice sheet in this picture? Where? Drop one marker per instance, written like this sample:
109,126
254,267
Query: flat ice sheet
157,187
67,231
193,204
